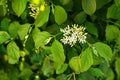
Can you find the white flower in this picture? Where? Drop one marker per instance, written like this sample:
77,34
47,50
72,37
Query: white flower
66,31
82,39
74,34
65,40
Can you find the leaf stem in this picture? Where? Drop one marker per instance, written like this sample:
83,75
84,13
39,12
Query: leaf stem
74,78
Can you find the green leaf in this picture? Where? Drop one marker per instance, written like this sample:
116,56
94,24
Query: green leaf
4,24
25,74
61,68
19,6
40,38
117,2
96,72
47,68
103,50
42,17
53,29
91,28
4,36
75,64
13,52
30,45
62,77
13,28
97,60
108,72
3,9
117,42
51,79
2,50
101,3
72,52
60,15
58,52
47,50
86,59
112,32
69,5
117,23
89,6
86,76
113,12
23,30
64,2
80,17
117,67
14,73
110,75
3,75
37,58
12,61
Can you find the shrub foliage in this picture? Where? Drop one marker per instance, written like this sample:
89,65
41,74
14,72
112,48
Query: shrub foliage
31,47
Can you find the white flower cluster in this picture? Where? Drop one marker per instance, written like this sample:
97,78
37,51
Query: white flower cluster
34,10
74,34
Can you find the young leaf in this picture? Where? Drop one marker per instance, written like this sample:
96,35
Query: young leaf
19,6
103,50
58,52
60,15
113,12
112,32
23,30
13,28
86,59
4,36
40,37
89,6
42,17
75,64
13,52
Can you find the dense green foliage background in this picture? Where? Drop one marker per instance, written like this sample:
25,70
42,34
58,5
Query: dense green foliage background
30,48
